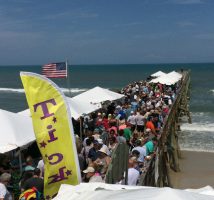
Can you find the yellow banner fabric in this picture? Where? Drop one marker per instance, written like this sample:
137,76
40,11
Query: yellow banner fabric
54,132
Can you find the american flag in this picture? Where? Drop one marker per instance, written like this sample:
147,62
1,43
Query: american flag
55,70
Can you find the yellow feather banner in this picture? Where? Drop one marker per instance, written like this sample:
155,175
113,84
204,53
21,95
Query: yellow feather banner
54,132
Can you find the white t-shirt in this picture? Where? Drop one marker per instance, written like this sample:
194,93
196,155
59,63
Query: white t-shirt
142,151
4,194
133,176
96,178
140,120
41,166
131,119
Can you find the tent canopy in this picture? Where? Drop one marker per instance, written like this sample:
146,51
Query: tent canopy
19,135
157,74
87,102
16,131
91,191
168,79
98,95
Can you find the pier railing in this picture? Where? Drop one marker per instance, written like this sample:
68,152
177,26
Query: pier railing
167,153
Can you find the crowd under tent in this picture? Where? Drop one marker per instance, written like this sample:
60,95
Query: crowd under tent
87,102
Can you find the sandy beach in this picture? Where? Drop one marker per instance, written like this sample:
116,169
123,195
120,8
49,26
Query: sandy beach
197,170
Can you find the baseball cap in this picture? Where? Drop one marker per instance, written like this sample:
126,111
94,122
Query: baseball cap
89,169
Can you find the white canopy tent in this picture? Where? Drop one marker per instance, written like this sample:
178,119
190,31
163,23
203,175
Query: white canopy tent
91,191
77,108
98,95
158,74
87,102
168,79
16,131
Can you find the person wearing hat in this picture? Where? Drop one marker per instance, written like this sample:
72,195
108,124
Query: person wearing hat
91,175
93,152
102,145
29,164
103,160
141,149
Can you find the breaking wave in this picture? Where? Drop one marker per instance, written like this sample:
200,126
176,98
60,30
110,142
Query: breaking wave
198,127
19,90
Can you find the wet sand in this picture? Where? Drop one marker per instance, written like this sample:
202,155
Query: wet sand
197,170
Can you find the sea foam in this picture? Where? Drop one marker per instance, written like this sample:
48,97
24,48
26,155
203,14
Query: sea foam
198,127
19,90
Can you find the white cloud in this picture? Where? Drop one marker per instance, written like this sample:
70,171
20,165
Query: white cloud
129,24
205,36
72,15
186,24
187,1
152,36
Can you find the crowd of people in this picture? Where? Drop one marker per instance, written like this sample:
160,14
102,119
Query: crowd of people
135,120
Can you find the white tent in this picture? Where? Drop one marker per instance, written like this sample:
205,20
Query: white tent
168,79
81,106
157,74
174,74
16,131
87,102
91,191
98,95
77,108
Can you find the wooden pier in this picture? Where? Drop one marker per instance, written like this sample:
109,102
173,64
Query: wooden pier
167,152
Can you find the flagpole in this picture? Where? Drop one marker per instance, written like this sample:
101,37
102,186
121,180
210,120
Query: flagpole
68,78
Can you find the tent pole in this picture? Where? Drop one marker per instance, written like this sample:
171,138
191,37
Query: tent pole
20,161
68,78
81,128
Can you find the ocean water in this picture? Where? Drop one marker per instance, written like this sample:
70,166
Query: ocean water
198,136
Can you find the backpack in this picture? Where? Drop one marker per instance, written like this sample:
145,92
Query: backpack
30,194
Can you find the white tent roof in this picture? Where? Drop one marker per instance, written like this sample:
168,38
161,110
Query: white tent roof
98,95
91,191
87,102
81,106
168,79
16,131
157,74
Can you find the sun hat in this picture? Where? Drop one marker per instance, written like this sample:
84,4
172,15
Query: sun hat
103,150
133,159
100,141
89,169
148,130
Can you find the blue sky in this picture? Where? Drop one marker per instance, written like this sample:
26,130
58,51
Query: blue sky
106,31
